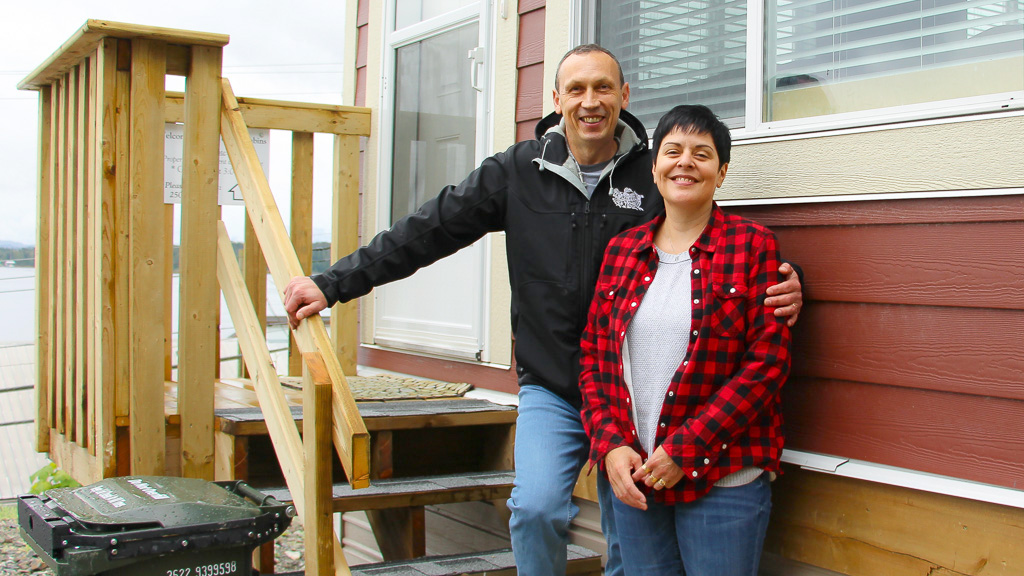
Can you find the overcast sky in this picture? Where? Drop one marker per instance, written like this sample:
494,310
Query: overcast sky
279,50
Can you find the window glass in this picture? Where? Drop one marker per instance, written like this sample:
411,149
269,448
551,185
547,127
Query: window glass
435,117
834,56
409,12
690,52
818,57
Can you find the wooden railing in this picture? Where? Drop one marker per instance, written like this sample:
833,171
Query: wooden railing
104,268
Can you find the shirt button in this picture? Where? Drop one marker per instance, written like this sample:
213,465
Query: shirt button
694,332
696,271
694,474
662,424
647,278
627,400
724,446
633,304
611,292
685,362
706,461
732,290
671,394
696,300
692,249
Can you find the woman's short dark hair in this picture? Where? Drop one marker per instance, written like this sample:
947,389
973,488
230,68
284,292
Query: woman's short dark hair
695,118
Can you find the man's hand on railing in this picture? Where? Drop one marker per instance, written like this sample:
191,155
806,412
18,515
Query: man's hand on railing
302,299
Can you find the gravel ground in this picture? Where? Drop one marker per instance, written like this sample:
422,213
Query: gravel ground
17,558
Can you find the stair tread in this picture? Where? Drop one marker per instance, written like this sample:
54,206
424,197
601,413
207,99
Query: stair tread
469,563
415,491
390,415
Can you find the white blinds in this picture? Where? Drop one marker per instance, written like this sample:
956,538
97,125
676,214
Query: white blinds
694,51
678,52
842,40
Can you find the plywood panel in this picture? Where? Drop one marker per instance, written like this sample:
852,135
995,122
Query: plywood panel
531,39
979,438
961,350
862,528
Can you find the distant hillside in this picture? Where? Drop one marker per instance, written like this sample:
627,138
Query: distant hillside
13,244
321,255
25,256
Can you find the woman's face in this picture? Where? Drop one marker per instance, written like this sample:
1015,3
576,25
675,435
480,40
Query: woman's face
687,169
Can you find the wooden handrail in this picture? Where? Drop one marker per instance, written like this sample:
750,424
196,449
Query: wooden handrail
349,432
281,426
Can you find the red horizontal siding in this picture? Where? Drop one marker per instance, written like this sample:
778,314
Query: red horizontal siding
529,106
961,350
977,438
529,5
531,39
908,350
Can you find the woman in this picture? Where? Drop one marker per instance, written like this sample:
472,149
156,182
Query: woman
682,365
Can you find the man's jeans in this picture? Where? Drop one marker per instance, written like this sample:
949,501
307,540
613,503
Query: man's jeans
720,534
551,447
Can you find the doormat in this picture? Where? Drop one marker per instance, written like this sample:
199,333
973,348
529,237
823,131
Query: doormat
393,387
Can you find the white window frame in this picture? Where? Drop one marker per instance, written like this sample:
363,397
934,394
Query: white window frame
877,118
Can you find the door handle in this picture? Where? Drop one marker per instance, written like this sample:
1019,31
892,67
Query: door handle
476,57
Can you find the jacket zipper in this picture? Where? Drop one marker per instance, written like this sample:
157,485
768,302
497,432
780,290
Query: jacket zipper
585,267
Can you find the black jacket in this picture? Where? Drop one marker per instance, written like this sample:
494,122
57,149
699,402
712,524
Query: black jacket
555,240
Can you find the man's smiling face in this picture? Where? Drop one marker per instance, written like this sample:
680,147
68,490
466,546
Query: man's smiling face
589,97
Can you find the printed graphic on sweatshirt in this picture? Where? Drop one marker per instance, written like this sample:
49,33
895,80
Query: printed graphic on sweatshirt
628,199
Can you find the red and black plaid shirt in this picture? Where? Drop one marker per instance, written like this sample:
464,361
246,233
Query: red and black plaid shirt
721,410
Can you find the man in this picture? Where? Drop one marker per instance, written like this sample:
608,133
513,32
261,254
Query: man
559,199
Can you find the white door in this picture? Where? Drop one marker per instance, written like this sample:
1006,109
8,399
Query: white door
434,112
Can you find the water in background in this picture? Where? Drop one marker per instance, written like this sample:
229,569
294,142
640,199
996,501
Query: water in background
17,305
18,312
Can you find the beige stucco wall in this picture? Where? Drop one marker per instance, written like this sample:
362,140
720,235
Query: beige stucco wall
975,154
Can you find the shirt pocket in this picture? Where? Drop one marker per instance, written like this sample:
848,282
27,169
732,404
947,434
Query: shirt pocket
605,297
729,309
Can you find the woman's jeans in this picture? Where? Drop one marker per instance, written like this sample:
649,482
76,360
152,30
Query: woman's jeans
551,447
720,534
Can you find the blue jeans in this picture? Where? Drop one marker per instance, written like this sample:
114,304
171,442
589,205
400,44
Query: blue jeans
550,449
720,534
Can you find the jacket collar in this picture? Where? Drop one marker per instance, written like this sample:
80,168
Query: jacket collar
555,156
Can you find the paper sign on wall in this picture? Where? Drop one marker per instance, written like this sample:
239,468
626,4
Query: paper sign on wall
227,187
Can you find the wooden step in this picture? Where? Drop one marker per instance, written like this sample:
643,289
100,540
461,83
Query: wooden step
391,415
417,491
582,562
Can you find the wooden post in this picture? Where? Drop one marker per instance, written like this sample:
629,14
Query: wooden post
301,222
344,240
120,106
316,434
254,268
277,414
147,248
350,436
104,144
197,322
58,294
44,238
70,104
82,383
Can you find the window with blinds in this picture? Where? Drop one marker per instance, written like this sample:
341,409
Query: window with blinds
834,56
690,52
819,57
